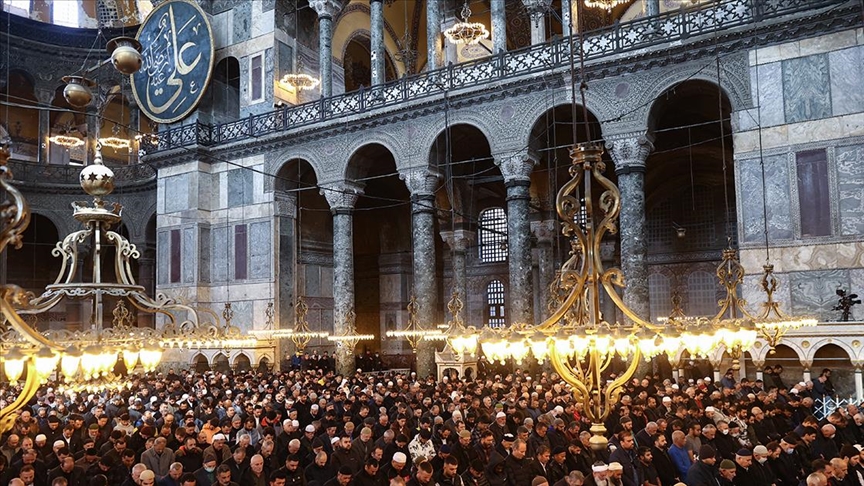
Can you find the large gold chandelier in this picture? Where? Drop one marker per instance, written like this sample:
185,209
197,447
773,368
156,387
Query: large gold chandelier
414,331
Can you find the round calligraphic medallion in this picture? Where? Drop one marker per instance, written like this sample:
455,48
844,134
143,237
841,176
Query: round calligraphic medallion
177,54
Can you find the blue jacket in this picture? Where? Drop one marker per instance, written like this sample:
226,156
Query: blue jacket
681,460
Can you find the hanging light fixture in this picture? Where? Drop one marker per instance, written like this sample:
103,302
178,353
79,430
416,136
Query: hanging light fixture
349,337
66,141
298,81
608,5
466,32
413,332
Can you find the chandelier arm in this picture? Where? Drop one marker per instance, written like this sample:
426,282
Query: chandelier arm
614,389
9,414
610,203
124,250
607,360
68,250
619,303
15,211
562,366
22,327
562,309
37,305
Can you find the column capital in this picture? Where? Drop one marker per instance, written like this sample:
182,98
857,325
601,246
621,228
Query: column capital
44,96
458,240
285,204
326,8
342,195
421,182
517,166
629,151
536,8
544,231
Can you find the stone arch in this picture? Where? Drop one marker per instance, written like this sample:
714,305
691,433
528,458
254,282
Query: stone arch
242,362
828,341
363,156
279,160
475,121
384,138
535,112
219,362
200,363
672,80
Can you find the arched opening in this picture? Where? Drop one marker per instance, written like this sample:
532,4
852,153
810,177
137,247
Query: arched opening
835,358
473,184
146,274
690,192
305,248
71,123
242,363
116,124
33,267
382,242
200,363
222,102
21,123
220,363
264,365
788,360
357,63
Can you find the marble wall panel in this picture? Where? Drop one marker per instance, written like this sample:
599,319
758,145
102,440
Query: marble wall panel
813,293
176,193
313,280
242,22
846,67
190,256
162,248
242,314
770,83
267,5
240,187
850,181
260,239
806,88
856,282
777,193
204,257
220,247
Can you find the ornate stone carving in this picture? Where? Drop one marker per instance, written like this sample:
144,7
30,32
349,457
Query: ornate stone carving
518,166
326,8
342,195
458,240
544,231
285,204
629,151
421,182
537,8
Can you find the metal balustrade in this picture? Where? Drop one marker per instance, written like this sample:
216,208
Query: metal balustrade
823,407
621,38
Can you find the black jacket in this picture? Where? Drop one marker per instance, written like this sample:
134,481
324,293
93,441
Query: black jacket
702,474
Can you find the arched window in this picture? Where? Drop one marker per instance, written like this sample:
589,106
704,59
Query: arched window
495,304
659,295
702,293
493,235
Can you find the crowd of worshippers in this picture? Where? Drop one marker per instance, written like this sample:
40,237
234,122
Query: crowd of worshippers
386,429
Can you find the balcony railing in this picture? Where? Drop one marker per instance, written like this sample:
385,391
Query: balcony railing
621,38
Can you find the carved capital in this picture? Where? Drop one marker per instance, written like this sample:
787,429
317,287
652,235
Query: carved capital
285,204
517,166
342,195
44,96
421,182
629,151
544,231
458,240
326,8
537,8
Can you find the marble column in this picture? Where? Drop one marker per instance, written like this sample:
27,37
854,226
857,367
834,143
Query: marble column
499,27
45,97
859,383
146,274
285,221
459,241
422,184
93,125
537,11
326,10
629,153
433,35
566,18
652,7
450,51
376,34
342,197
545,233
134,129
516,170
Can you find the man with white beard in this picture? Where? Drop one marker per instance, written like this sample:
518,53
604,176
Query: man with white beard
599,473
